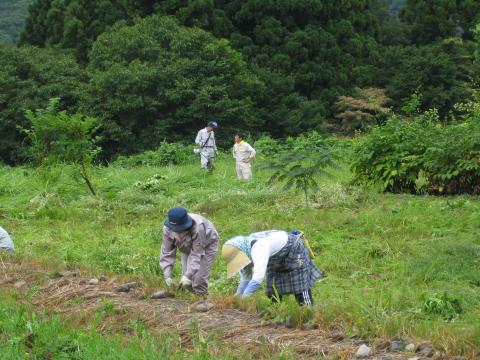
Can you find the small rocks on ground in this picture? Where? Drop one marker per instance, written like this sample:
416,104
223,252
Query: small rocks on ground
414,358
397,345
439,355
203,306
102,278
311,325
380,344
93,281
66,273
289,323
425,349
410,347
162,294
364,351
386,357
20,284
126,287
337,335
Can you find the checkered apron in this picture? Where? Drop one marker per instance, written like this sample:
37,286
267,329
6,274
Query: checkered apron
291,271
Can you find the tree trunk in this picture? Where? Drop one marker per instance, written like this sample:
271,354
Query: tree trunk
83,173
305,191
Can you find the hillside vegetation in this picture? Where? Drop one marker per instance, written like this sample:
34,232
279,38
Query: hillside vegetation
13,14
258,67
396,265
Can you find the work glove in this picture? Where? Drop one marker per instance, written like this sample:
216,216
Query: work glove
169,281
185,282
251,288
241,287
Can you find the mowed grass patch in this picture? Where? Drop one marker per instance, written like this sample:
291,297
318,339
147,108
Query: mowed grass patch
396,265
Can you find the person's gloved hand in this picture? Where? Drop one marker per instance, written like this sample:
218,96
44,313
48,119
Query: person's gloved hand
169,281
241,287
251,288
184,281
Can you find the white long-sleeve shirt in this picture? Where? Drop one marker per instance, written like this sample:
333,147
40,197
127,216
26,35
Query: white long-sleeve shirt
5,240
206,140
268,244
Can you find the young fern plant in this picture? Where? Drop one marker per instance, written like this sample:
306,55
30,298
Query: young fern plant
301,168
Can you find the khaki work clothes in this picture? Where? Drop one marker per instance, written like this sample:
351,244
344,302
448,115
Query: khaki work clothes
198,245
243,154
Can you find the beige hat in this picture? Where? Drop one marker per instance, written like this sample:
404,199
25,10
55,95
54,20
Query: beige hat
236,259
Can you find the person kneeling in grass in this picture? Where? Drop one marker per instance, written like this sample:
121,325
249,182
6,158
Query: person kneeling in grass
197,239
6,243
279,255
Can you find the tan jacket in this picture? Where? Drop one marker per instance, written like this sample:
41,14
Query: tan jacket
243,151
193,243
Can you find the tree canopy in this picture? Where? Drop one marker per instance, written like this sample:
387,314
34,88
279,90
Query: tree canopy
12,17
29,77
157,80
153,70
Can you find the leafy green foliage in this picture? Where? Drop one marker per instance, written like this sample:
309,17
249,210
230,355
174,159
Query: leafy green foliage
158,81
301,165
267,147
57,137
28,78
165,154
74,24
12,16
443,73
447,306
384,254
423,155
307,54
439,19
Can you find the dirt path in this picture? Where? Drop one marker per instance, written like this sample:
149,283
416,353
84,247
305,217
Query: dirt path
70,296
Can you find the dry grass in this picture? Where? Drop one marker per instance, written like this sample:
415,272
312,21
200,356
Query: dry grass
99,306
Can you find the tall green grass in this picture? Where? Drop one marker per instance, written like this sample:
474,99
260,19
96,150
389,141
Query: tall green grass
396,265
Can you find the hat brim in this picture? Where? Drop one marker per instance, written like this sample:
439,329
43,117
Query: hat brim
237,263
178,228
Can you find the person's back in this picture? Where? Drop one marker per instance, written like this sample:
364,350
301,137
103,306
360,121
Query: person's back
6,242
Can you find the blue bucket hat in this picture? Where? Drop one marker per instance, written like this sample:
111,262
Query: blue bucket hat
178,220
212,124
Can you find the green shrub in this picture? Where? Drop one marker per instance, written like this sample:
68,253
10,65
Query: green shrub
165,154
267,147
445,305
57,137
422,155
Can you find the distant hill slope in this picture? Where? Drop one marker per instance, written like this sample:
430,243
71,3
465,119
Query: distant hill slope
12,16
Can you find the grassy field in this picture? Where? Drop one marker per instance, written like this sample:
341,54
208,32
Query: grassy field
397,265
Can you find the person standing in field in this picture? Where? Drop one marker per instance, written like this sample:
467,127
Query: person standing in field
6,243
243,154
206,145
197,239
281,257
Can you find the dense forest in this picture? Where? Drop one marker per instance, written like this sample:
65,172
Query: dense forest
12,17
154,70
